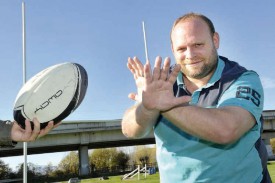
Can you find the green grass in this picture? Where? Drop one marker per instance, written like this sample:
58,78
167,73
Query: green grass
155,177
271,169
117,179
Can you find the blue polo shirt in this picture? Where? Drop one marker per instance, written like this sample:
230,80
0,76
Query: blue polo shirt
185,158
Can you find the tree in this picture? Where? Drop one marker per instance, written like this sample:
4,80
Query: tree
70,164
122,159
58,173
145,155
31,170
108,159
49,169
4,170
272,143
103,158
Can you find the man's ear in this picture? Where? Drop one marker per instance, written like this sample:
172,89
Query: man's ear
172,48
216,40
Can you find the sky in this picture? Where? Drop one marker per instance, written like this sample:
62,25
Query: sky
101,34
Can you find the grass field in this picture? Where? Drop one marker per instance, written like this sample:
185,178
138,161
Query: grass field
155,177
271,169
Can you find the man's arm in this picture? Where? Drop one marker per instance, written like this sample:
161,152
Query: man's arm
222,125
238,110
138,122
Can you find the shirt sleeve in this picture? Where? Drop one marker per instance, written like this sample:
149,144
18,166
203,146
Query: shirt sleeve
246,92
5,134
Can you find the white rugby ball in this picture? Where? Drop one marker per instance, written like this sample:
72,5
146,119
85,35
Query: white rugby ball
51,95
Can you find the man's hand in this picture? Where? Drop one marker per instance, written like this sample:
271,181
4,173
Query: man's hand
158,87
19,134
155,95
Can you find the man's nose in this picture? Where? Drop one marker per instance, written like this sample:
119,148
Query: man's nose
189,53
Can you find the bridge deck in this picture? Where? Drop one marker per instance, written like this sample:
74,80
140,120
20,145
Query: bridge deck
70,135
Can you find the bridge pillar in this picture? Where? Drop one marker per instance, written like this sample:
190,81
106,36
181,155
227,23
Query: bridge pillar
84,168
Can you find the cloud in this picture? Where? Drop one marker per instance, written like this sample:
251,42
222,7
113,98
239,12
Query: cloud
267,82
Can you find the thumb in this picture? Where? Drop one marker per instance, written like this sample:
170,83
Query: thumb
184,100
132,96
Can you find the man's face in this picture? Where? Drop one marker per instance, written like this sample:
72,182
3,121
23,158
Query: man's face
194,48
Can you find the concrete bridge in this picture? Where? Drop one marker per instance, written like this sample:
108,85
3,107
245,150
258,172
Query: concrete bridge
81,136
85,135
269,126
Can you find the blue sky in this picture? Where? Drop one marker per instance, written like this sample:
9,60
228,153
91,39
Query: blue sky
101,34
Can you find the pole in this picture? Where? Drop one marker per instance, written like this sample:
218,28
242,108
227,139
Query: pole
138,171
24,81
145,42
145,171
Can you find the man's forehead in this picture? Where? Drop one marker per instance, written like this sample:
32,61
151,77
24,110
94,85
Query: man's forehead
192,24
191,27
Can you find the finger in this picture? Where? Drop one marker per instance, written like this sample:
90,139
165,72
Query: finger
130,68
165,69
47,129
136,67
28,126
132,64
174,74
36,129
57,124
139,66
147,73
179,101
27,133
157,66
132,96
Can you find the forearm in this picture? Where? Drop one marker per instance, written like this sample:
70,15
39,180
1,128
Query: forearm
138,122
220,126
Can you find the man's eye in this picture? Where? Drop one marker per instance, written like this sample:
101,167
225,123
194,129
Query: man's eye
181,49
198,45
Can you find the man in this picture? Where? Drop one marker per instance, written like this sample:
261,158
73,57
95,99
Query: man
205,112
11,132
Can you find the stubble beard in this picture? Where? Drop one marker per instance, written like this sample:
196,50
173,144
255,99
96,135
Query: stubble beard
207,68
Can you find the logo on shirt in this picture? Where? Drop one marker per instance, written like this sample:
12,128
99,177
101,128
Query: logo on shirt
248,93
